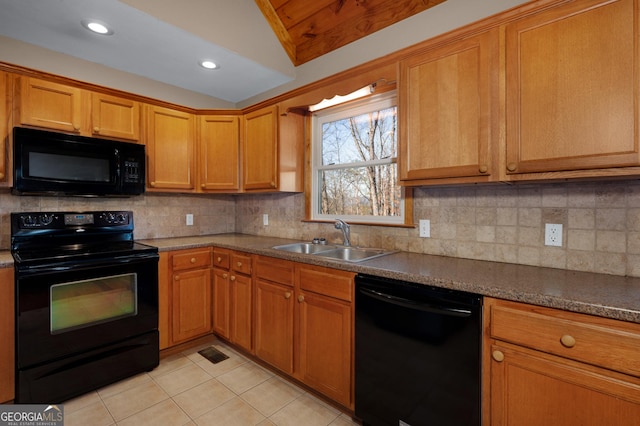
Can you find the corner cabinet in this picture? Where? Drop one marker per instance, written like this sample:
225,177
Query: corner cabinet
572,91
219,153
546,366
273,150
170,138
448,111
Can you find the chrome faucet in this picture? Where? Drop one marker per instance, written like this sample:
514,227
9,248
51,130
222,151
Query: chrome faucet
346,231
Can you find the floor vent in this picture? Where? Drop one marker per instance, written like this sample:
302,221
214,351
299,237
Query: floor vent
213,355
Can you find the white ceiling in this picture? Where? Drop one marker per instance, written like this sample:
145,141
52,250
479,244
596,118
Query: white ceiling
163,40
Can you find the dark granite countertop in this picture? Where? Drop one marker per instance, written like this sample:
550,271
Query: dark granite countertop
604,295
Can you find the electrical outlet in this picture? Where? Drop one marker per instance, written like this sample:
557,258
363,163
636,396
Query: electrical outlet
425,228
189,219
553,234
265,219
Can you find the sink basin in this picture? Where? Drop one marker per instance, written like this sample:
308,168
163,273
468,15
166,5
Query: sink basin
354,254
305,248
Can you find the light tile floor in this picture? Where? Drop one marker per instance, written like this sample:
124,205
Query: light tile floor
188,389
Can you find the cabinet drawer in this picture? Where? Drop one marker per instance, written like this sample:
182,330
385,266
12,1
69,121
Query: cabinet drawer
191,259
326,281
221,258
607,343
241,263
275,270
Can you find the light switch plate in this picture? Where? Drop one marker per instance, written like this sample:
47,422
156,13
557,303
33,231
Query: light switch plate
189,219
265,219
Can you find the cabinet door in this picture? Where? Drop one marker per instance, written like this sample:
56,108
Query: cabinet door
260,152
446,112
50,105
7,334
219,142
274,324
325,345
170,140
221,302
5,125
191,304
528,388
572,88
241,310
113,117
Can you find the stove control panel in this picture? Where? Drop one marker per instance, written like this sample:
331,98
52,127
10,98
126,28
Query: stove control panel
61,220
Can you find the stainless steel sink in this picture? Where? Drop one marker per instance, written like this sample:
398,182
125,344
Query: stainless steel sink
354,254
305,248
347,254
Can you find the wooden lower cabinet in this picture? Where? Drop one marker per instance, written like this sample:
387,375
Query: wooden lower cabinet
551,367
233,297
304,324
7,335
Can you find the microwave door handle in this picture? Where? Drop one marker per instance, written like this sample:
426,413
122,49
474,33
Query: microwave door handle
116,153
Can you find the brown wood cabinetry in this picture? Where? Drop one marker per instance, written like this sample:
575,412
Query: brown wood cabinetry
273,149
5,126
304,323
219,153
572,91
185,295
170,139
49,105
448,109
233,297
546,366
115,117
7,335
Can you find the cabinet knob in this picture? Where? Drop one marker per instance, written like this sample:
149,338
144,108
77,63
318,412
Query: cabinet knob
568,341
193,260
498,356
203,186
219,259
233,278
239,264
225,276
177,278
76,127
483,168
512,167
301,298
153,184
1,175
287,295
96,130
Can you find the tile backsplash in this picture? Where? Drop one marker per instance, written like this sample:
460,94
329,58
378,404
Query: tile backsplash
504,223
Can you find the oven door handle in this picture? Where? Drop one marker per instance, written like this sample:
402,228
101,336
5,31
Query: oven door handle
51,268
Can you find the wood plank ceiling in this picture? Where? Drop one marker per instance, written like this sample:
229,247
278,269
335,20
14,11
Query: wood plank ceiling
308,29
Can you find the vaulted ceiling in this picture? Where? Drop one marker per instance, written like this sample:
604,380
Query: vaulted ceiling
309,29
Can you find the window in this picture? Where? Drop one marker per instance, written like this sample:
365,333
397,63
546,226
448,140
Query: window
354,163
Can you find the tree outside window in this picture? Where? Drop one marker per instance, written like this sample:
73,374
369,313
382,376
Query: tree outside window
354,161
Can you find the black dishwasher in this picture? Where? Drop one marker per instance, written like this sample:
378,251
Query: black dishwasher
418,352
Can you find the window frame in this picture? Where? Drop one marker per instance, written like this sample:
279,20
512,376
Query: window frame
374,102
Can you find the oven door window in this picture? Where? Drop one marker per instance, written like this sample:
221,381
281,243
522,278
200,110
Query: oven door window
80,304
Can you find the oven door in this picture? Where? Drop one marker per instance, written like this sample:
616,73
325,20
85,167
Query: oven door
64,310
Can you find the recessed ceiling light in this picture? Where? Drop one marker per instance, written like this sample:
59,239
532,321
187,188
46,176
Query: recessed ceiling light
97,27
210,65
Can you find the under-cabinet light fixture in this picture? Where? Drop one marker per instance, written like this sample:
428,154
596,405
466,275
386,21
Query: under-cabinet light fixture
337,99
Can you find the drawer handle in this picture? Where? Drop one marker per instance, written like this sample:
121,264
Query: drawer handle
193,260
568,341
498,356
287,295
301,298
233,278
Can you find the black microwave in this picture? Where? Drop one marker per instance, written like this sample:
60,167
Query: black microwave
49,163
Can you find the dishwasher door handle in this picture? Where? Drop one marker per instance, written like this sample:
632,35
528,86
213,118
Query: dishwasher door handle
412,304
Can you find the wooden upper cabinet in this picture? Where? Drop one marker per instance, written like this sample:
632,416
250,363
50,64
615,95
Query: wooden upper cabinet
219,152
446,105
114,117
5,126
49,105
260,152
170,138
572,85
